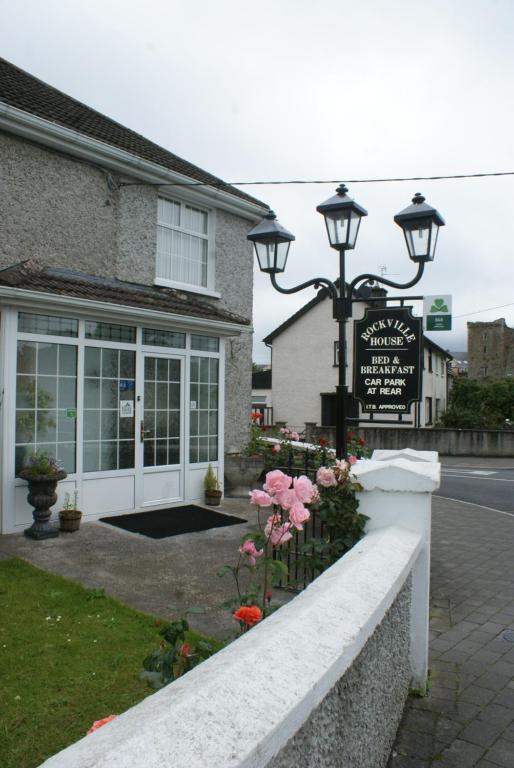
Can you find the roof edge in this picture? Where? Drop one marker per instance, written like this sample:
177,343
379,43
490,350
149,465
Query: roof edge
57,136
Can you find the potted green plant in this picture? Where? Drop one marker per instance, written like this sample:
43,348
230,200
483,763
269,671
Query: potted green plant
212,489
70,516
42,474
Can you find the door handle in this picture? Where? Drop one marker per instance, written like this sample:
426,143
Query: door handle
143,431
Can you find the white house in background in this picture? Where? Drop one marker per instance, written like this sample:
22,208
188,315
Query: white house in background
304,365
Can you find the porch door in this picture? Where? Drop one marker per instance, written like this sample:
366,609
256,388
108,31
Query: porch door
162,429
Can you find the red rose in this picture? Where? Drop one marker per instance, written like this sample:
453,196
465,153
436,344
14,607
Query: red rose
248,614
323,442
361,441
185,649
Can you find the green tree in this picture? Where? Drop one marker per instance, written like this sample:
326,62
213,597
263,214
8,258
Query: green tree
479,404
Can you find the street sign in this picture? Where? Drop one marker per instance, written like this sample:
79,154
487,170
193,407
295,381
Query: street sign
387,370
437,312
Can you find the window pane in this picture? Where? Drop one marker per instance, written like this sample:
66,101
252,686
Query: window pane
205,343
203,423
39,425
110,332
158,422
164,338
105,428
47,325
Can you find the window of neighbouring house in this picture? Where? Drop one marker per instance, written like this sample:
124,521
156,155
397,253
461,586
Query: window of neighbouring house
428,411
204,373
46,402
182,244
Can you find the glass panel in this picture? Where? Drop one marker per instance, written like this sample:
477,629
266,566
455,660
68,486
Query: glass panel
162,369
47,358
46,426
109,425
67,396
204,409
66,427
163,338
47,391
47,325
39,426
205,343
91,457
110,332
126,460
27,354
108,455
91,393
25,426
161,452
104,427
92,361
91,425
67,360
110,393
173,452
110,363
25,392
159,419
127,364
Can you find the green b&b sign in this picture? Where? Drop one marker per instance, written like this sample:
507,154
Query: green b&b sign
437,313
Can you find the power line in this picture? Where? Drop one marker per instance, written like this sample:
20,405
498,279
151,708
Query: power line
479,311
276,182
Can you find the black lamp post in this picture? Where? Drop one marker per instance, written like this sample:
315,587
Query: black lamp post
420,223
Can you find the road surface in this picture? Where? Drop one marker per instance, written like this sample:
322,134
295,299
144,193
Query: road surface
488,486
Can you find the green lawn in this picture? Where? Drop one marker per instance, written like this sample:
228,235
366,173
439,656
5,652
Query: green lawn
68,656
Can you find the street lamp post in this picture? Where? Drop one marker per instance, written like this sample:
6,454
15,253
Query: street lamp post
420,224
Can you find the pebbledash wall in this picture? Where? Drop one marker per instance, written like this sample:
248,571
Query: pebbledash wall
70,213
323,680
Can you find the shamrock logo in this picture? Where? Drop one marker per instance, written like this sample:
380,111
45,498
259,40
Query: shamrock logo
439,306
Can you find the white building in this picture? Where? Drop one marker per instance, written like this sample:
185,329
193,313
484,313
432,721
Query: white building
305,362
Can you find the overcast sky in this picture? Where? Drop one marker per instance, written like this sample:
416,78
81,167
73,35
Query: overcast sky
333,89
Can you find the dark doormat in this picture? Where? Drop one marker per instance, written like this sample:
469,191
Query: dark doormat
160,523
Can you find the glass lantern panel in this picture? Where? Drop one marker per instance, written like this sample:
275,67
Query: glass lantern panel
353,229
272,256
337,227
418,235
433,241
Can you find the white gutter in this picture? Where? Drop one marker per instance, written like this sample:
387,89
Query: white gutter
90,306
73,142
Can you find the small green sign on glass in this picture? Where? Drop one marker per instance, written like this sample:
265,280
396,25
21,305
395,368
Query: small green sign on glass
71,413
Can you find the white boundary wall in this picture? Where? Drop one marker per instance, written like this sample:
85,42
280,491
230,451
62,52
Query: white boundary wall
245,704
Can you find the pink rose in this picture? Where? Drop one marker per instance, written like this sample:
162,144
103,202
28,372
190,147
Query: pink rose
304,489
285,499
352,460
284,431
326,477
276,481
276,449
294,436
341,465
276,531
260,498
248,548
298,515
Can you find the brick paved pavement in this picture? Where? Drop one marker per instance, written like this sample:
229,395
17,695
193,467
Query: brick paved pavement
468,717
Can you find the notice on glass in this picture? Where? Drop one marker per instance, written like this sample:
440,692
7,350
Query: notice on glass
126,409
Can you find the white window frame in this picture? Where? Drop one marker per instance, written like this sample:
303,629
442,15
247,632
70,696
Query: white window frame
210,288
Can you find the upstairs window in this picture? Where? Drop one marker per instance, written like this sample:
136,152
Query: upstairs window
182,245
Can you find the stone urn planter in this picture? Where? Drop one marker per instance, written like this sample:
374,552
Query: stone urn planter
242,474
41,496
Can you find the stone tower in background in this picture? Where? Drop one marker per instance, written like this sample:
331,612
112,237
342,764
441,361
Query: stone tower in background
490,350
